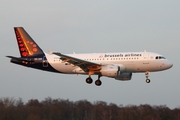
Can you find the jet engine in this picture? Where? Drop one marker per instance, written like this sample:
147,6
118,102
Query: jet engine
112,70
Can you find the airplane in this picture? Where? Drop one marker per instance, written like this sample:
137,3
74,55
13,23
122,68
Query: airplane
119,66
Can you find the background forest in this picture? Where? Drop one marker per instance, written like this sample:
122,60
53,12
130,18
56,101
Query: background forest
59,109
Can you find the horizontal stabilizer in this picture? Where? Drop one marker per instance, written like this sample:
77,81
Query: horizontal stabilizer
20,59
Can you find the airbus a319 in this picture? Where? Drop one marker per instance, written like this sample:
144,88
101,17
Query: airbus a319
119,66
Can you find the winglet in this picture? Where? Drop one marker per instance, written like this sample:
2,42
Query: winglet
55,53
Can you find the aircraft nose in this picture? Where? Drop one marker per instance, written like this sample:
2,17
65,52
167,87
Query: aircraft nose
169,64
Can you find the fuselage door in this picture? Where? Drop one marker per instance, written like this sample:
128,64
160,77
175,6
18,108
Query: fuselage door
45,62
146,58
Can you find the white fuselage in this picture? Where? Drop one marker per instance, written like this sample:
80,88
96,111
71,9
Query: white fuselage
133,61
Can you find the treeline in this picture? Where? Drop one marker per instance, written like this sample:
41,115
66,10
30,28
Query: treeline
59,109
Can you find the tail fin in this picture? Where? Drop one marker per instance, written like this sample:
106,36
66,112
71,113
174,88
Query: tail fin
27,46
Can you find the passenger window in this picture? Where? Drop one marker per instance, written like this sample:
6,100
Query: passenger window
156,57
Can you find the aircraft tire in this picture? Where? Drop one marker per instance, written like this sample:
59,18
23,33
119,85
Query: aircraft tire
148,80
98,82
89,80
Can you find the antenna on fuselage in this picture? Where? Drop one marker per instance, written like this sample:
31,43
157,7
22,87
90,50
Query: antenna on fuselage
144,50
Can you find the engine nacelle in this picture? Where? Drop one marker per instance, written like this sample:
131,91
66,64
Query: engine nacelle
124,76
112,70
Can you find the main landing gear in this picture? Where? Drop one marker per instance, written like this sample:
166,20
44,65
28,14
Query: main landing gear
97,82
89,80
147,77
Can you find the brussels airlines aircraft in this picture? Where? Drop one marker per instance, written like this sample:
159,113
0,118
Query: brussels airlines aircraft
114,65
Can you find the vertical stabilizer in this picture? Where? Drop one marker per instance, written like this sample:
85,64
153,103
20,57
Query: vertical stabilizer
27,46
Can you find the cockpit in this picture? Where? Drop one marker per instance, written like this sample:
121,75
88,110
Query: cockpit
160,57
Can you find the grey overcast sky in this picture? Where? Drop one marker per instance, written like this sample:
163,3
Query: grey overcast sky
91,27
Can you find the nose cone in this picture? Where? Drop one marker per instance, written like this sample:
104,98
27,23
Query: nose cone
168,65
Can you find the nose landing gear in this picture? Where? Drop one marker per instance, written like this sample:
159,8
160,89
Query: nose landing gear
147,77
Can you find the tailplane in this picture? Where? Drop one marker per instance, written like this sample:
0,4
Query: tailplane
27,46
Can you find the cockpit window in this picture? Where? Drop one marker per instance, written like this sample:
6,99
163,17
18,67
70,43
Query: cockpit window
160,57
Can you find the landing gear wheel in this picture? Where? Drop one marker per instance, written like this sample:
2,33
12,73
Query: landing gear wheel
89,80
148,80
98,82
147,77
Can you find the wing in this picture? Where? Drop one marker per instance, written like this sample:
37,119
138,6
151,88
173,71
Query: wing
83,64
